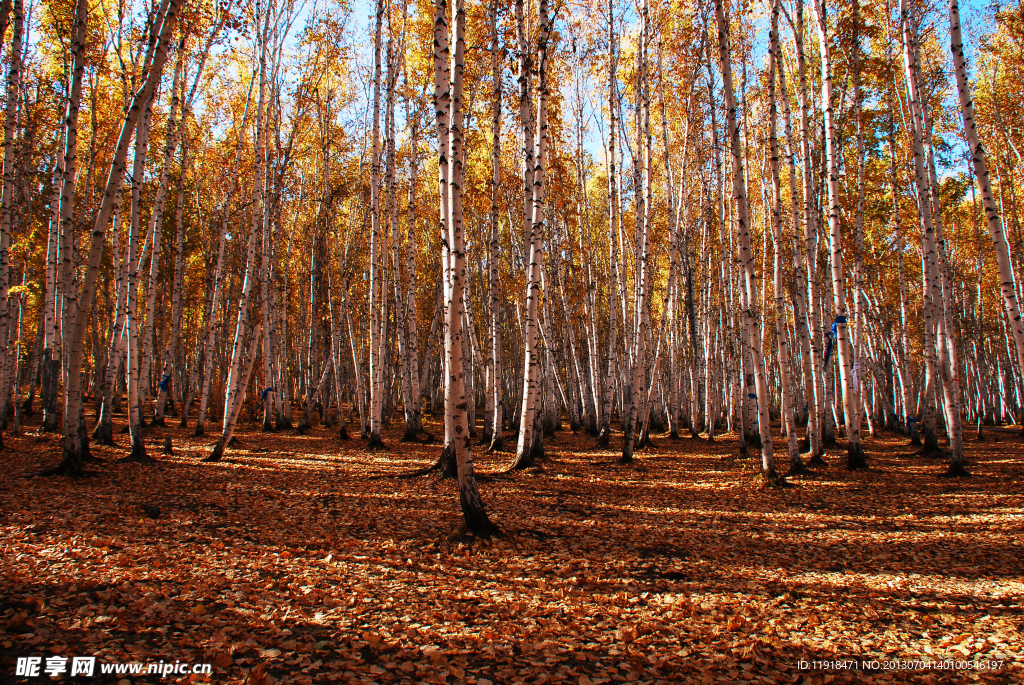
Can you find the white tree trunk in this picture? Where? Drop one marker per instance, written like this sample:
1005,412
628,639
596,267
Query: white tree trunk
851,404
992,218
748,289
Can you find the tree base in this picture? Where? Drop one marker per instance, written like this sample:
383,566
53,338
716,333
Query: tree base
343,433
497,444
138,455
529,457
49,421
772,480
375,444
70,465
216,454
446,464
478,525
796,468
855,460
628,448
817,460
956,471
104,434
158,421
200,430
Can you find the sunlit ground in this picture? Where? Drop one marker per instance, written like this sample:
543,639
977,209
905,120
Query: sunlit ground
304,559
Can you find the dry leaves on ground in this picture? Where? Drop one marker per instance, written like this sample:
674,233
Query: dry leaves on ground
302,559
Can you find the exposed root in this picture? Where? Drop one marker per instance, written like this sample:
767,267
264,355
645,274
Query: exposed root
420,472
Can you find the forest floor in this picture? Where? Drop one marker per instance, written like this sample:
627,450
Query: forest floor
304,559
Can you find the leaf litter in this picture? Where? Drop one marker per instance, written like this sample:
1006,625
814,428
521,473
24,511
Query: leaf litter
303,559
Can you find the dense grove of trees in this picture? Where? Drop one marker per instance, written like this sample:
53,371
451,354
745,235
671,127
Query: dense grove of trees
683,217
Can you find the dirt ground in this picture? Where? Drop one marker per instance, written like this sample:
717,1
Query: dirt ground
304,559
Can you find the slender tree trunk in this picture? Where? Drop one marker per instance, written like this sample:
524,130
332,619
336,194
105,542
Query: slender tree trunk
993,220
818,398
209,343
613,257
493,424
748,289
237,376
927,418
81,302
641,271
231,419
377,292
456,399
851,408
134,368
14,77
781,329
531,442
